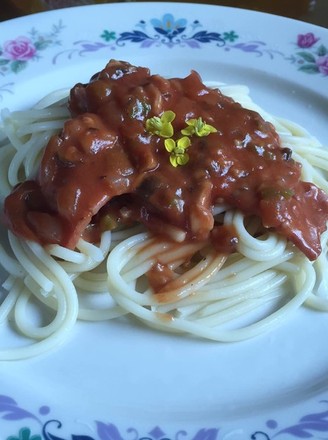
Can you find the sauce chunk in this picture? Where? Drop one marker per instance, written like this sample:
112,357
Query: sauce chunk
106,164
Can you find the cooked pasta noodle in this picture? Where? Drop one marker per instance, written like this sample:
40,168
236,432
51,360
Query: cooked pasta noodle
214,296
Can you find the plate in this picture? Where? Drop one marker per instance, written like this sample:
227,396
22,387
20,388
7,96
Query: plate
120,380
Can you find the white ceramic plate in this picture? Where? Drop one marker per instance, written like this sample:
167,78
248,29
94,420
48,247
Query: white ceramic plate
119,380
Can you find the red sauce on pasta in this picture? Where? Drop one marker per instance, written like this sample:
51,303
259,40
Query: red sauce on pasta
105,166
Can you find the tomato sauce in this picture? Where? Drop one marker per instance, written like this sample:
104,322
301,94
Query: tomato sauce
105,166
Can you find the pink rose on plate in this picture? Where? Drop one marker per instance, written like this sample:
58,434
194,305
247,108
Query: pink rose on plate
21,49
305,41
322,64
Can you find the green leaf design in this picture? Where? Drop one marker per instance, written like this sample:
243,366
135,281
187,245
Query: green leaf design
309,68
42,44
57,28
3,62
17,66
307,56
322,51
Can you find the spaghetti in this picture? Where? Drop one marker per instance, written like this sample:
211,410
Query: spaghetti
200,290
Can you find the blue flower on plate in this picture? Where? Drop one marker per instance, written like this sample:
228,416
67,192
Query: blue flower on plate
168,26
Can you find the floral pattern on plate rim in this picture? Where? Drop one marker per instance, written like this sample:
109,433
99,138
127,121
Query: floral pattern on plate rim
16,54
41,427
310,55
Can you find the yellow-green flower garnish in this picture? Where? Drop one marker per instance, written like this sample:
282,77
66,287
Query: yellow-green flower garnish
198,127
161,126
178,148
